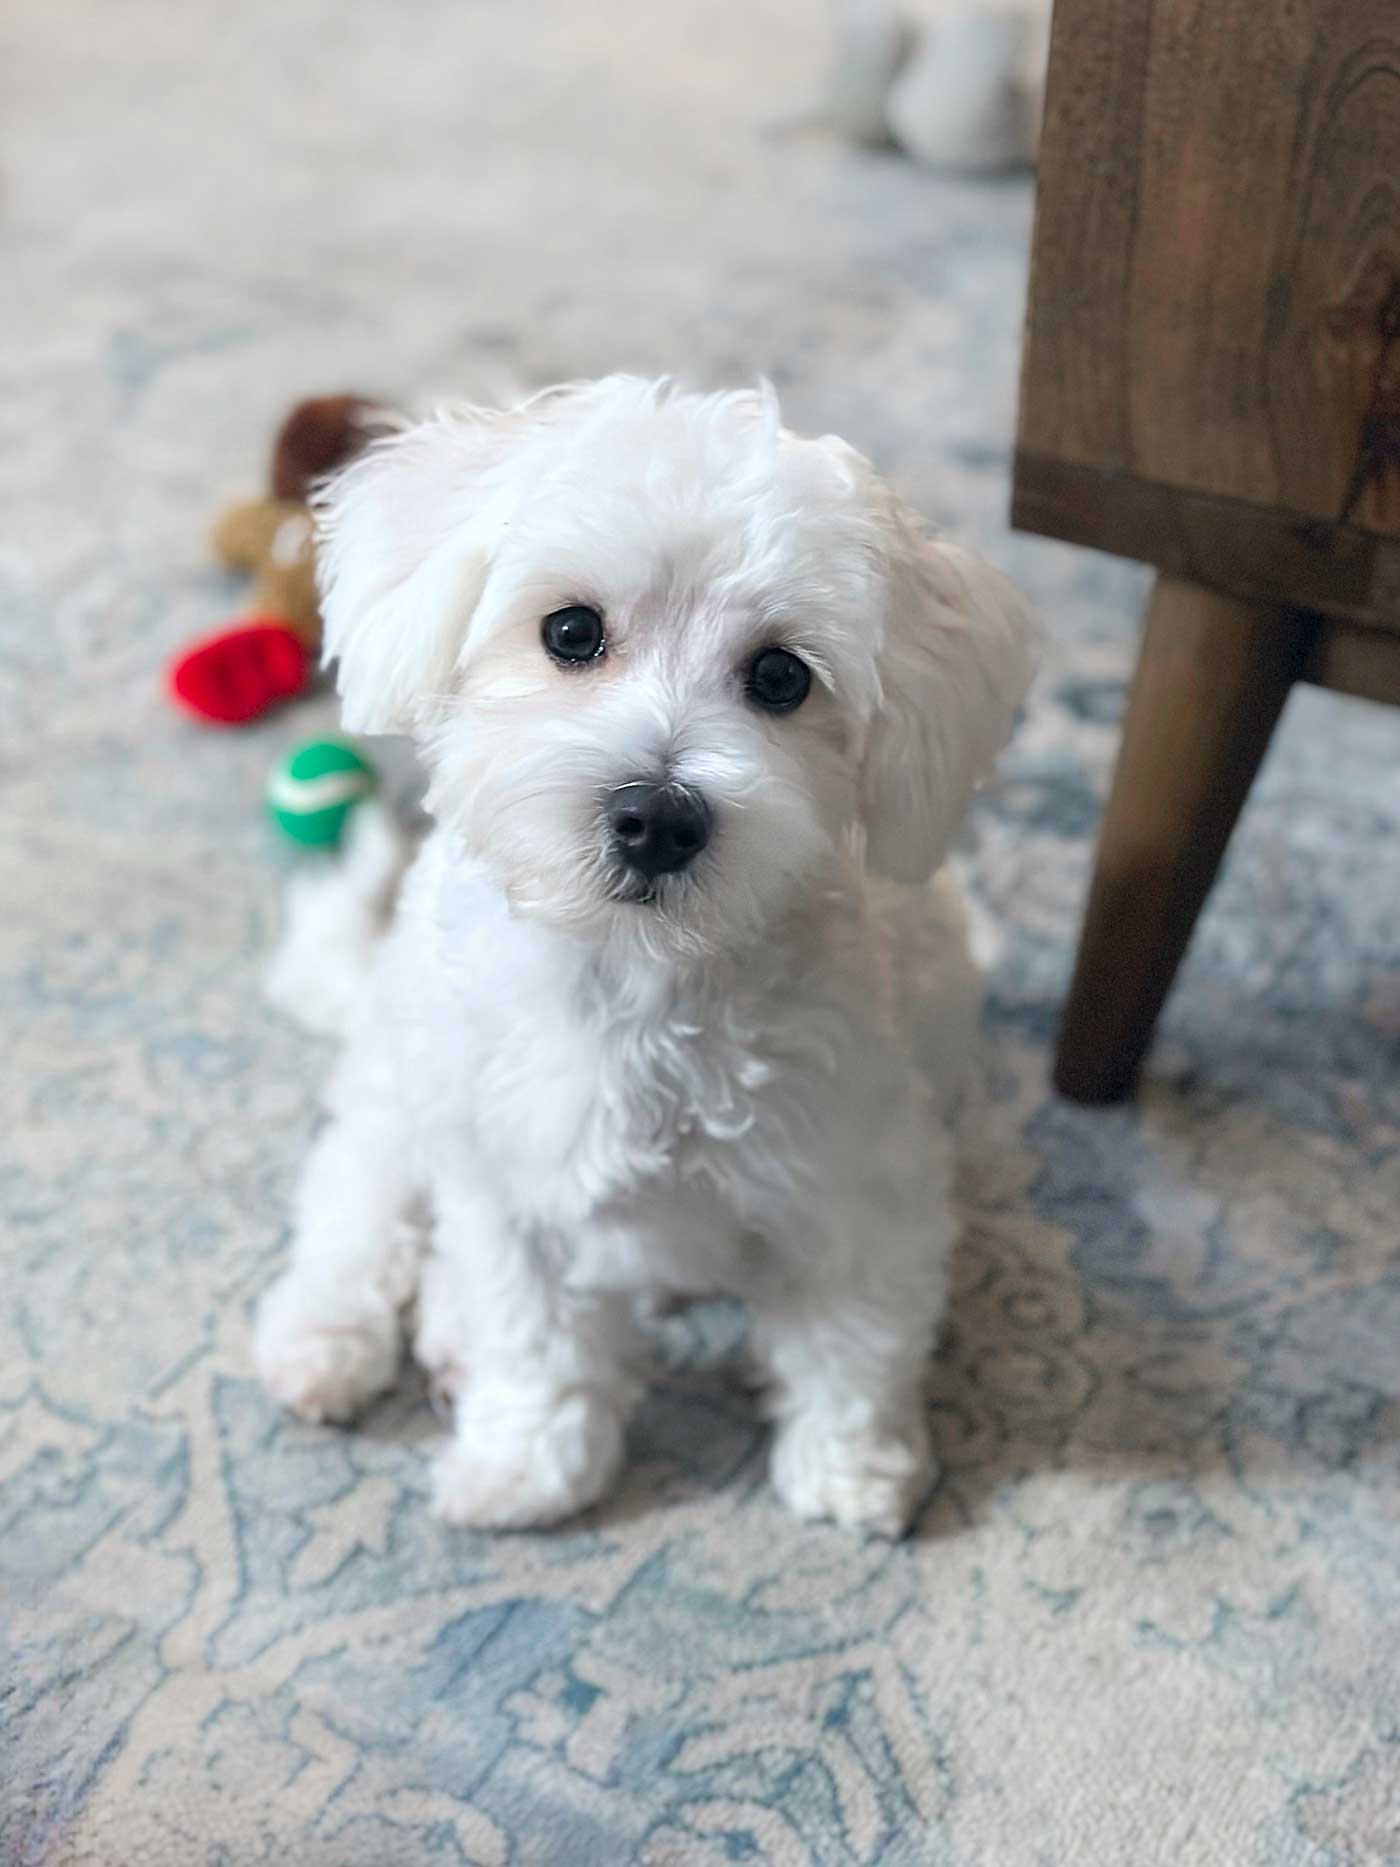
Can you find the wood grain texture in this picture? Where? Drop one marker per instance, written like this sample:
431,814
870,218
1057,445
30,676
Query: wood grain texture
1363,662
1215,300
1073,390
1212,677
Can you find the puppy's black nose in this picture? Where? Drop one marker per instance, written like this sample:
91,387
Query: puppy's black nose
657,828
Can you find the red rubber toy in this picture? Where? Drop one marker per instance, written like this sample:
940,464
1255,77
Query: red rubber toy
237,673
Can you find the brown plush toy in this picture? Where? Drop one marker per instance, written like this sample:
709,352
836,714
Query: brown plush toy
320,435
274,541
237,674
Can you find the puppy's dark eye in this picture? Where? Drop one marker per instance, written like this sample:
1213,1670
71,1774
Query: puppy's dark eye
778,681
574,634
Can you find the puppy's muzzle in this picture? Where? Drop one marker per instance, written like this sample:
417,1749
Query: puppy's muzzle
657,829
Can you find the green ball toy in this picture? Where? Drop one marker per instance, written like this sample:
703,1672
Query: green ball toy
313,789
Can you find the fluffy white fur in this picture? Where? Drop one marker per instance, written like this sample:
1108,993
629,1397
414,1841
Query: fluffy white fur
741,1085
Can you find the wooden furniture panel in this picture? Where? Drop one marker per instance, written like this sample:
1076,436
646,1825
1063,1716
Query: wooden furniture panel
1216,298
1254,551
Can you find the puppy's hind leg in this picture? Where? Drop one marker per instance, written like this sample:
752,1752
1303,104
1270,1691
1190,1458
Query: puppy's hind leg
328,1331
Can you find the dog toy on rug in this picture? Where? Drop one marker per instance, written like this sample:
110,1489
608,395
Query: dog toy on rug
312,791
238,673
242,670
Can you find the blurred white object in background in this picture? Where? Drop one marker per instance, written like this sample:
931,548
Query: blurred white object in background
958,84
873,42
956,105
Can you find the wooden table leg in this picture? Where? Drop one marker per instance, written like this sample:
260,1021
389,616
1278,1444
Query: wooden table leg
1212,676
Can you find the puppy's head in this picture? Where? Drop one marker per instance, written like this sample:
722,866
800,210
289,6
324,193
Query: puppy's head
662,655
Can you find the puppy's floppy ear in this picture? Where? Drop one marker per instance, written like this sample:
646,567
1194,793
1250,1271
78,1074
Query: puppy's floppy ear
956,657
405,538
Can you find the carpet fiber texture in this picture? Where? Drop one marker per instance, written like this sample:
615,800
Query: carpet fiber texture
1149,1619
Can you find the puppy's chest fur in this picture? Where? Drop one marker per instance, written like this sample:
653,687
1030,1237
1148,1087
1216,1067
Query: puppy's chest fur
584,1091
699,1089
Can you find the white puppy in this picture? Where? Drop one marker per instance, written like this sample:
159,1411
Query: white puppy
667,1004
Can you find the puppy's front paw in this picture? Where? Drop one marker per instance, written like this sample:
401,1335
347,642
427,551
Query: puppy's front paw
321,1356
521,1470
863,1479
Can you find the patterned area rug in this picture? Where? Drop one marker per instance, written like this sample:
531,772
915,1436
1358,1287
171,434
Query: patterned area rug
1150,1615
